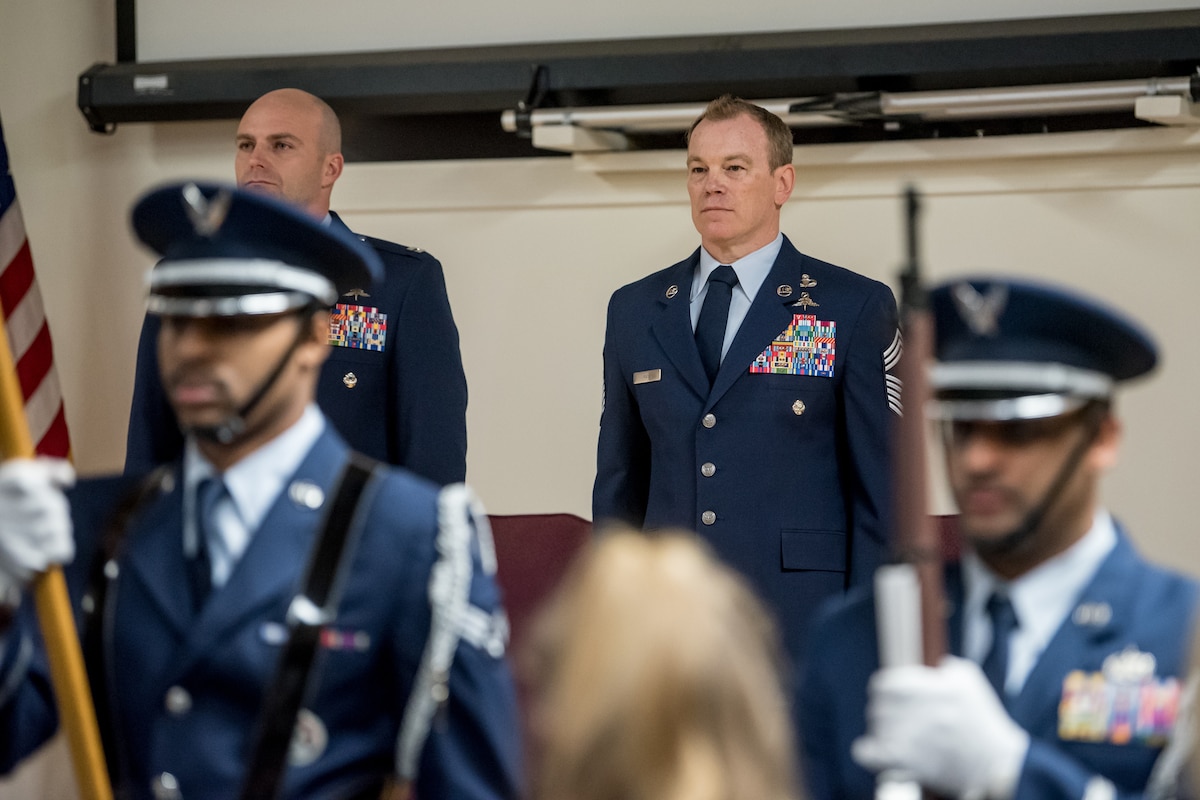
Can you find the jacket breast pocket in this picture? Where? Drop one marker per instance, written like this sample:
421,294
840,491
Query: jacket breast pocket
823,550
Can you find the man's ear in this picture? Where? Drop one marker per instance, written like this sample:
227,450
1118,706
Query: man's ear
785,179
334,162
315,347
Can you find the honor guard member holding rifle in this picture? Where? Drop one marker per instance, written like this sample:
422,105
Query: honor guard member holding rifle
1068,648
199,594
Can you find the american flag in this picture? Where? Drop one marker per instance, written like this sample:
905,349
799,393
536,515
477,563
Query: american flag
25,325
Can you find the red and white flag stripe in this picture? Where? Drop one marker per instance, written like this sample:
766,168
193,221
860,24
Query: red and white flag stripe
29,335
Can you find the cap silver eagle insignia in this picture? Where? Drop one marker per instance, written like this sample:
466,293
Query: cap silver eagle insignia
981,312
206,215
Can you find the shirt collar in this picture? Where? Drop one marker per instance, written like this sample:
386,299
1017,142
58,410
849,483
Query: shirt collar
255,482
751,269
1044,596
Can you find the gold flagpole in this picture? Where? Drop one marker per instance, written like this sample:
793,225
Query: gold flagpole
74,697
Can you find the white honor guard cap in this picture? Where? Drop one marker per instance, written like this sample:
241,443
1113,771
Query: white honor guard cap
1008,349
226,252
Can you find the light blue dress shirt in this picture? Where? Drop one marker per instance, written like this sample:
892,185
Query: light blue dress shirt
253,485
751,270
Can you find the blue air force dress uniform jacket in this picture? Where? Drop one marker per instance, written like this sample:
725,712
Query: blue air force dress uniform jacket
184,688
1100,701
393,385
783,464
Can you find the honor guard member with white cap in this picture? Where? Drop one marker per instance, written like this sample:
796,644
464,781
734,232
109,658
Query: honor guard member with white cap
1067,647
207,586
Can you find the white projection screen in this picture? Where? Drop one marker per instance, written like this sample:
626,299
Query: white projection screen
180,30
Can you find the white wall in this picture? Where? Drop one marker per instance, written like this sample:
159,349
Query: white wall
532,250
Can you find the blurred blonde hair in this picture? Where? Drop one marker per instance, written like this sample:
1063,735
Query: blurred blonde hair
654,675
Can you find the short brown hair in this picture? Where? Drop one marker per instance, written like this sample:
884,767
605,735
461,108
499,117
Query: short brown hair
779,135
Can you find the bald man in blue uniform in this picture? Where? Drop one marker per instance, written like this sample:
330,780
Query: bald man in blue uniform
764,428
196,587
1067,648
393,385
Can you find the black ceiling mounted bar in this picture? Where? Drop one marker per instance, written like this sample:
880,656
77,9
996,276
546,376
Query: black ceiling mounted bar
460,92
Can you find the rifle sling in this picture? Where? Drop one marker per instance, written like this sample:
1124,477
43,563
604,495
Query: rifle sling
321,590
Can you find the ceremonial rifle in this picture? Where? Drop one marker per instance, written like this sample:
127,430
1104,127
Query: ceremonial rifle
910,605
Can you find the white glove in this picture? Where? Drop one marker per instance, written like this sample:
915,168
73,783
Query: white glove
35,518
944,727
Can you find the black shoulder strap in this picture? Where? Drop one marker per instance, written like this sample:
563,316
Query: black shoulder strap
312,609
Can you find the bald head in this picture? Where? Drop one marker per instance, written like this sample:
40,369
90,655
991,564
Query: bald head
289,146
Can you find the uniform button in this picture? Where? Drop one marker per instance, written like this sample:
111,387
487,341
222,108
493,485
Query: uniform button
165,787
708,517
707,469
708,421
178,701
798,407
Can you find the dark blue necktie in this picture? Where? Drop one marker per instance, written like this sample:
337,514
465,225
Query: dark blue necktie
714,314
1004,622
208,492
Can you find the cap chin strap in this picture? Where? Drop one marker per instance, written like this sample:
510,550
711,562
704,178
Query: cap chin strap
1019,535
234,426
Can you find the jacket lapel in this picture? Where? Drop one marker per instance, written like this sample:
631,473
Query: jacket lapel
269,571
769,314
1036,707
154,556
673,326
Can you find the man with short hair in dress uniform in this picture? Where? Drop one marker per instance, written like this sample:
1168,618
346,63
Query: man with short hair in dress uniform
393,386
204,586
1067,648
746,388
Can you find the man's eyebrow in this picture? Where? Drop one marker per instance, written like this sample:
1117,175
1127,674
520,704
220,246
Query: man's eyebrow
270,137
724,159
